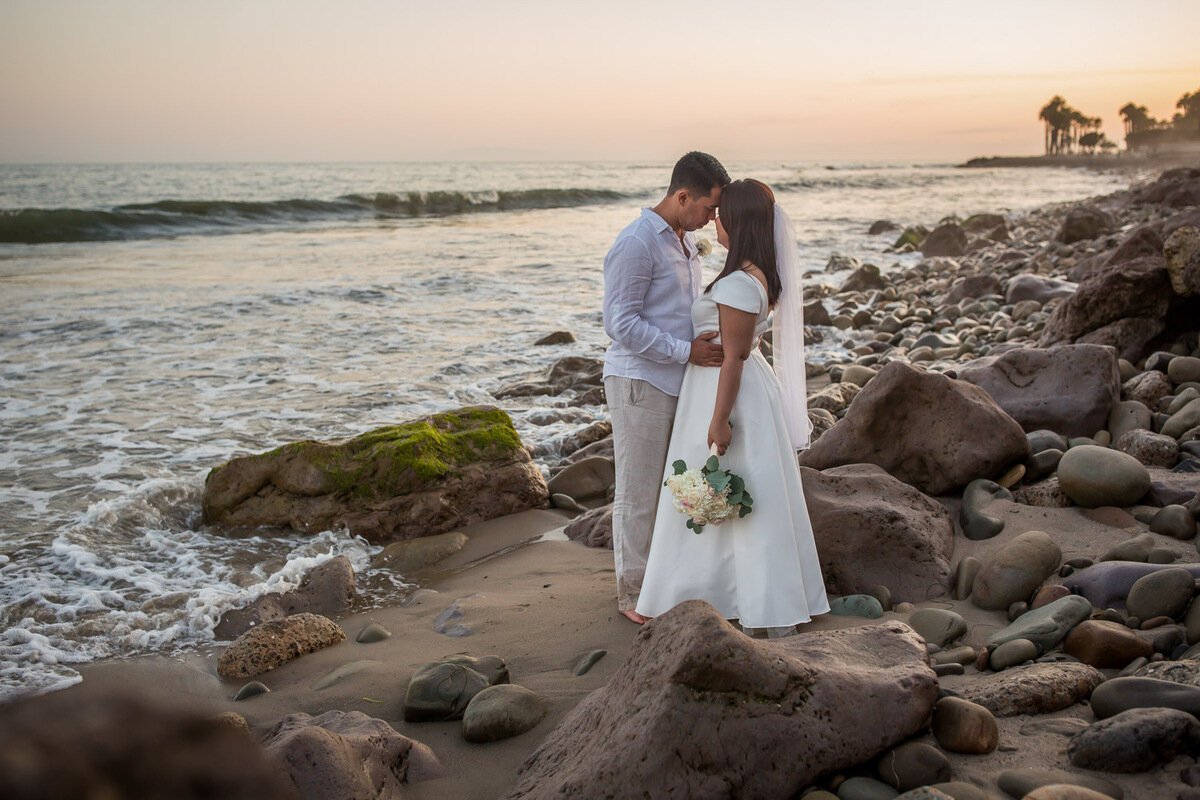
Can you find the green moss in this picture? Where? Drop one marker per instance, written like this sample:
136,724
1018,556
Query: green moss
400,458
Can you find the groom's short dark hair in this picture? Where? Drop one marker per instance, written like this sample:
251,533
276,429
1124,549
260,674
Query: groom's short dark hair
699,173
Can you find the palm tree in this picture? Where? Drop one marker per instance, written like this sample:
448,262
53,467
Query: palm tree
1052,115
1189,104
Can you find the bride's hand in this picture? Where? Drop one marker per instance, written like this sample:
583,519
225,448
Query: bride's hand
720,433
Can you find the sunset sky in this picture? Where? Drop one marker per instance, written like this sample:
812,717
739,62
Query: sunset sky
367,80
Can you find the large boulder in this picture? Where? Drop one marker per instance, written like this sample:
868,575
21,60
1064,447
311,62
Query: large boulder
414,479
701,710
873,530
1123,306
348,754
928,430
1069,390
88,742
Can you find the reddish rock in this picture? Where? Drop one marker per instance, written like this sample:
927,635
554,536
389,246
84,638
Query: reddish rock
1106,645
928,430
1069,390
700,710
873,530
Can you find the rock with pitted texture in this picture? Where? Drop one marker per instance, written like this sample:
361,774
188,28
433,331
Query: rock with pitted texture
699,709
1123,306
1070,389
835,396
1014,571
1135,740
873,530
1147,388
348,754
276,642
415,479
930,431
1035,689
1151,449
1182,250
1095,476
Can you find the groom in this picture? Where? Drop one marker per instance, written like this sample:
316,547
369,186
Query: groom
651,277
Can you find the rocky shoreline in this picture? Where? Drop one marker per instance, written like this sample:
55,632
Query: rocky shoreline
1004,487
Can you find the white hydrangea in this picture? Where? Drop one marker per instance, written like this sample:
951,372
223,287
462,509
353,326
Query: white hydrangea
694,497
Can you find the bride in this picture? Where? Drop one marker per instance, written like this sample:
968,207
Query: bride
761,570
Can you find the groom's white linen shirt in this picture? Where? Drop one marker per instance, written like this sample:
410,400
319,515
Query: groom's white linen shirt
649,286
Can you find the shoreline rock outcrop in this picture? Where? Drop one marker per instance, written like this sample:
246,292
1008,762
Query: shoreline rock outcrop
414,479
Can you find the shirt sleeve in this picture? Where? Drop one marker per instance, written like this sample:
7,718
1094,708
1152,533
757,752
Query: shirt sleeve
628,271
739,290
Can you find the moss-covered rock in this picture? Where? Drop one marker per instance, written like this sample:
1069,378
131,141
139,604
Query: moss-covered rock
414,479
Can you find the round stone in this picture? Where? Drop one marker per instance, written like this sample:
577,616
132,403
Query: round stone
1106,645
1135,549
372,632
1096,476
938,626
914,764
1012,653
1183,369
1016,570
1174,521
961,726
501,712
1166,592
964,576
856,605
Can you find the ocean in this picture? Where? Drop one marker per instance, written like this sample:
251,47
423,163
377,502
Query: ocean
156,320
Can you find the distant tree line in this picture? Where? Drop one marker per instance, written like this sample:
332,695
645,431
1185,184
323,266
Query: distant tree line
1071,131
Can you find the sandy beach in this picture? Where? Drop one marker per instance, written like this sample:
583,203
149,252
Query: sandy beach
518,587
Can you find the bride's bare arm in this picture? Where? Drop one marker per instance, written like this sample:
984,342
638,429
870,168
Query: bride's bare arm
737,335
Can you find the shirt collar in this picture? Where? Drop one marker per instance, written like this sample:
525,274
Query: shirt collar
658,222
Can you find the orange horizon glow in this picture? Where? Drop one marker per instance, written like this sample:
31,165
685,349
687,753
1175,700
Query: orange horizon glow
367,80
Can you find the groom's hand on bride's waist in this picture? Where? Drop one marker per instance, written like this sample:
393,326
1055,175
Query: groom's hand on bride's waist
704,352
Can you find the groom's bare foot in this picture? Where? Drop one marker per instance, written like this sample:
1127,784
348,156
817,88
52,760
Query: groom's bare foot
634,616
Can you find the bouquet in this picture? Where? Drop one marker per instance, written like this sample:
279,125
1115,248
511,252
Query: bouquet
708,494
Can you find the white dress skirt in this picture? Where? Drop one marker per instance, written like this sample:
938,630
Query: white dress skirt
762,569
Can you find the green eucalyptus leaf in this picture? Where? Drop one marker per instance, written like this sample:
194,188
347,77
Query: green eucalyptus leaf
680,467
712,465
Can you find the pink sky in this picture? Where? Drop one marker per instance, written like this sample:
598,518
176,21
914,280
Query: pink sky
313,80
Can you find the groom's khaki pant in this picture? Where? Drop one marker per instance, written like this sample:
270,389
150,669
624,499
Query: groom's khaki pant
641,419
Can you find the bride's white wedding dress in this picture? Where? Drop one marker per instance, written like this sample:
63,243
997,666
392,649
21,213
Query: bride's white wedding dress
763,569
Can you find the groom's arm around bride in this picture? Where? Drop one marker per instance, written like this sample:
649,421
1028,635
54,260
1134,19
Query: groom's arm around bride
651,277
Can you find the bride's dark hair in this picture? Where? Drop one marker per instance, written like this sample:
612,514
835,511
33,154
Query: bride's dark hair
747,212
